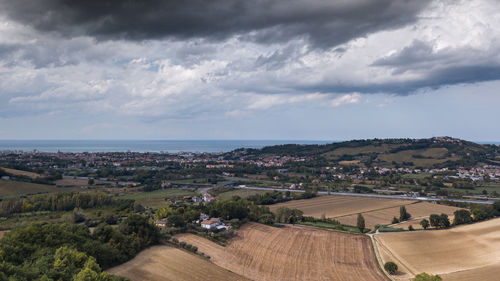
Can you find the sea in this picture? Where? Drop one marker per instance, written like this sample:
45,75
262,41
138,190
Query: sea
167,146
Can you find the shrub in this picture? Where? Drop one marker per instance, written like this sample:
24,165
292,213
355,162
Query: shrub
427,277
390,267
410,228
183,244
175,240
395,220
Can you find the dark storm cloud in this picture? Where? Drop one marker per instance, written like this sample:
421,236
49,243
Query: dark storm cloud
325,23
435,68
432,80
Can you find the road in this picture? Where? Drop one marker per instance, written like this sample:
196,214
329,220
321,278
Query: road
401,197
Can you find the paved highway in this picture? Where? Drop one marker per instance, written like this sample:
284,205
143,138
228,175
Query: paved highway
401,197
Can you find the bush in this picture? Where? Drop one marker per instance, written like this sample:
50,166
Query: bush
390,267
395,220
410,228
427,277
175,240
183,244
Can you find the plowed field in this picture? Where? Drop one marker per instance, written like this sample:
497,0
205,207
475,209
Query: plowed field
261,252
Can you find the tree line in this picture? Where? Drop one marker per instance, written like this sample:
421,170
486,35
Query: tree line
61,202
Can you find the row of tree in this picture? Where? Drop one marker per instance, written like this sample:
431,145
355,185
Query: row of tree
62,202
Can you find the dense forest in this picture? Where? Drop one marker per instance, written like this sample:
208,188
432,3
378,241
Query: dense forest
72,252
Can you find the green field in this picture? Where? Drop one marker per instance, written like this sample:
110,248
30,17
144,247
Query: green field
156,199
432,156
243,193
17,188
357,150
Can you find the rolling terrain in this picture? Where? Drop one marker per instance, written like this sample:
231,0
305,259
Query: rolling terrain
261,252
424,153
337,206
164,263
468,252
418,211
374,210
15,188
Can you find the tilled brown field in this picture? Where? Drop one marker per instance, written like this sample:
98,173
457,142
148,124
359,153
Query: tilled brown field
164,263
261,252
417,210
336,206
469,252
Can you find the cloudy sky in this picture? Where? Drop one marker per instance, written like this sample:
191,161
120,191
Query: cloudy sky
238,69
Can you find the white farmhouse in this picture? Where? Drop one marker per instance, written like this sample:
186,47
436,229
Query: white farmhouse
211,223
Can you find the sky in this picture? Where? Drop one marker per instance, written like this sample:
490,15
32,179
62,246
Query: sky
238,69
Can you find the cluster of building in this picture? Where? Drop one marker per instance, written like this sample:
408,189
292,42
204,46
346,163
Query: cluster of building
205,221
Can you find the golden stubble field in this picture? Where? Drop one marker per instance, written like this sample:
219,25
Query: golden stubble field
261,252
164,263
336,206
417,210
21,173
345,209
469,252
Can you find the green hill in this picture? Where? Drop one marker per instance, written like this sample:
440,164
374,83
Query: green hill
425,153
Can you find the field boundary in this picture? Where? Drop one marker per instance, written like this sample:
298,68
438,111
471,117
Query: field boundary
376,210
377,256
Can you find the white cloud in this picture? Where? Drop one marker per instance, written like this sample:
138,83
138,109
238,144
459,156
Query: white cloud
346,99
162,79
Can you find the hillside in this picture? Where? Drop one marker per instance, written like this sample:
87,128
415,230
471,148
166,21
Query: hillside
261,252
468,252
426,153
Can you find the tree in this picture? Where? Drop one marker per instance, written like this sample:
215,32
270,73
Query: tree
390,267
67,261
462,217
444,221
176,220
395,220
361,223
78,215
410,228
424,223
91,181
435,220
479,214
427,277
403,214
287,215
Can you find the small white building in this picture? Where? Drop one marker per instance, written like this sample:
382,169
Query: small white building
211,223
162,223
